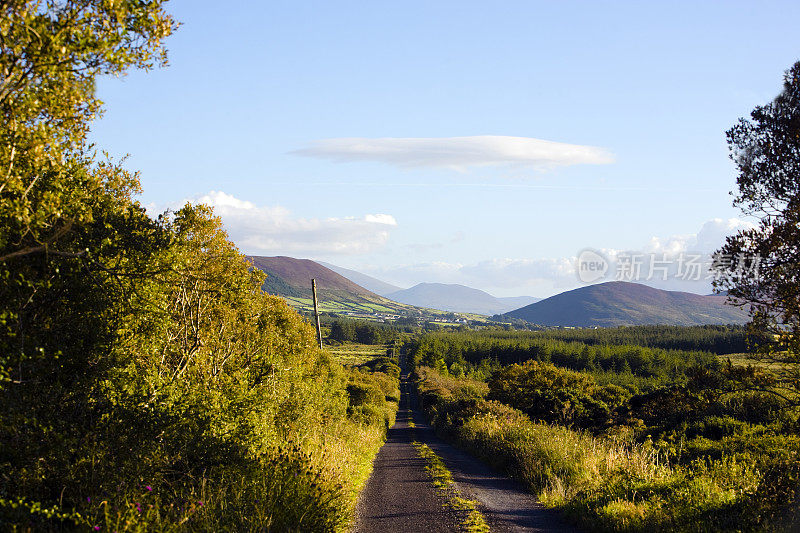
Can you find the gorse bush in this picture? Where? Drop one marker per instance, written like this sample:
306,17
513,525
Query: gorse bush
550,394
373,396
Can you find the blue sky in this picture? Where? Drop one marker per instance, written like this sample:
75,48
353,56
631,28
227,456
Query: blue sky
403,139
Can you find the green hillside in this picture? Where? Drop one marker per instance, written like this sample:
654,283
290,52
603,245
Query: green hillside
619,303
291,278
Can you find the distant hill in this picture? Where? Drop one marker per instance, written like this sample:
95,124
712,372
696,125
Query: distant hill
515,302
290,278
457,298
619,303
368,282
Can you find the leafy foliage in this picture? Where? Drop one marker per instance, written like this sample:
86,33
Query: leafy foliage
631,366
550,394
685,440
758,267
146,381
612,482
52,51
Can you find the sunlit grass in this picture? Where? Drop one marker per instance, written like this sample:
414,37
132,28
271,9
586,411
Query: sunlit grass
605,484
473,520
356,354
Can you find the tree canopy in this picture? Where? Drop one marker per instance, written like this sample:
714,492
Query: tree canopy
139,359
760,267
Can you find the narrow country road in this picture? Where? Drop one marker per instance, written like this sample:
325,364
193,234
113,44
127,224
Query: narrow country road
400,497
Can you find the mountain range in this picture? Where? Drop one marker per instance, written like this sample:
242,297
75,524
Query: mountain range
619,303
458,298
368,282
291,278
608,304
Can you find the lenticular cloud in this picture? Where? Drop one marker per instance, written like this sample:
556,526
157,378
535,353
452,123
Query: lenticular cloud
458,152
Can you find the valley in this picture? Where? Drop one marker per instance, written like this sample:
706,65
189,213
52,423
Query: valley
399,267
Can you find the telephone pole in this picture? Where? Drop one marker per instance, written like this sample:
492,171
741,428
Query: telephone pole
316,312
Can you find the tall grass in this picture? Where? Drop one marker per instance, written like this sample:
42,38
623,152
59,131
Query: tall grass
304,476
603,484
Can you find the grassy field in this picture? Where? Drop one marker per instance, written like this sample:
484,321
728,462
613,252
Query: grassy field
368,307
356,354
743,359
355,306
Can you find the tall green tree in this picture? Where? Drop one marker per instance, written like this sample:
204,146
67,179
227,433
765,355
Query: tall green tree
760,267
66,219
51,53
139,358
73,242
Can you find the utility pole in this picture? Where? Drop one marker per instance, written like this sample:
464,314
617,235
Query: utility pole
316,312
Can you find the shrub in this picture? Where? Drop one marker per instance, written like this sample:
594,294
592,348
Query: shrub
555,395
616,484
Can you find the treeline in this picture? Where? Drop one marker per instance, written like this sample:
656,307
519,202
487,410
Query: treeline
361,331
634,366
146,381
716,339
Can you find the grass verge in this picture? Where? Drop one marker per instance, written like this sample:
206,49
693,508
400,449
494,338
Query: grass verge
472,520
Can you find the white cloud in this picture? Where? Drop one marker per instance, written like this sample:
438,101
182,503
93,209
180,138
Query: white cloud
273,230
381,219
710,237
458,152
222,200
546,276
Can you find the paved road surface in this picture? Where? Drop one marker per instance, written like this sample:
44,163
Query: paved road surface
399,495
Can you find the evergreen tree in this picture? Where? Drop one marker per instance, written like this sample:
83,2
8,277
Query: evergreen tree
759,267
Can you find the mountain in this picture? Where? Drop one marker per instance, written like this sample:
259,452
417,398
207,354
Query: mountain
515,302
619,303
290,278
457,298
368,282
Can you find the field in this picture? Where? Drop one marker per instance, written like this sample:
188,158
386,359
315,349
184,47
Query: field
356,354
342,306
361,308
620,437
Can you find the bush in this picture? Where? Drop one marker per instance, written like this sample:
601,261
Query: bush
554,395
373,397
608,484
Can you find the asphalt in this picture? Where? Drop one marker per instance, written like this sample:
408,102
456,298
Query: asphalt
399,496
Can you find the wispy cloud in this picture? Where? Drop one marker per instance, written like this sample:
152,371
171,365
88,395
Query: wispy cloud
458,153
274,230
545,276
